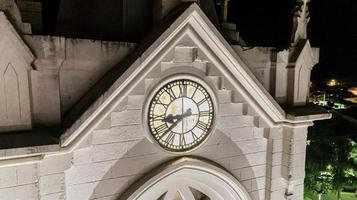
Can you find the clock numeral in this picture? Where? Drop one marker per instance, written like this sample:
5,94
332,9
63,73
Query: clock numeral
204,113
161,129
201,125
182,139
170,93
163,104
183,90
194,92
194,136
159,117
202,101
170,138
162,122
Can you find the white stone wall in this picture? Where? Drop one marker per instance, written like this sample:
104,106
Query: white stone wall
118,152
259,60
268,160
60,69
119,155
19,182
265,160
285,74
15,64
65,69
115,156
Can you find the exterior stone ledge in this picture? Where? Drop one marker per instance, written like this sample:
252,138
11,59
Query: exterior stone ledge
306,113
27,151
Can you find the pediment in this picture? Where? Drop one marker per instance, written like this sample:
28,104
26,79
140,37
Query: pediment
15,64
190,42
303,52
10,40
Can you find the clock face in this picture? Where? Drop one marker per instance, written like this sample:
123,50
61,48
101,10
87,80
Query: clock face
180,115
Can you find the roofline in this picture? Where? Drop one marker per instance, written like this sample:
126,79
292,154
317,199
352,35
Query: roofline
256,92
6,25
252,88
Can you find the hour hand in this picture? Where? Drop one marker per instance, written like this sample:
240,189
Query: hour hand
187,113
172,126
170,118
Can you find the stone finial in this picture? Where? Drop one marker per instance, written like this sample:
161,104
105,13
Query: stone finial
14,15
224,14
300,20
224,10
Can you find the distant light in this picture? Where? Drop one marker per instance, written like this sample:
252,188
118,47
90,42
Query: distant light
329,167
337,106
352,100
332,82
353,90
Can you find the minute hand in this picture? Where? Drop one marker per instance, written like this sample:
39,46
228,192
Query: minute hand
172,126
170,118
179,118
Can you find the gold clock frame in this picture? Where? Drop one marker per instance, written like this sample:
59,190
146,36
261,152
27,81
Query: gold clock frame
156,88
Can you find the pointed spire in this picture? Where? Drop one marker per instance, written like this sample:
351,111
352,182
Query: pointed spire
224,11
300,20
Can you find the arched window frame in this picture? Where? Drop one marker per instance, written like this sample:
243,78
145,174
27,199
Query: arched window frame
179,175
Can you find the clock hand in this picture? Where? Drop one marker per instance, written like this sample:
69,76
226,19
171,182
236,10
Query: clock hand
170,118
187,113
179,119
171,127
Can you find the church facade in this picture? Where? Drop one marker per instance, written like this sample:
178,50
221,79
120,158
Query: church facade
184,115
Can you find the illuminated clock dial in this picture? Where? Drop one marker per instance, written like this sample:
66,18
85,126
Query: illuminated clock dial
180,115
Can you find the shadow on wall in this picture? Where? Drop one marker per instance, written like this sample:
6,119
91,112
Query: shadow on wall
143,157
120,20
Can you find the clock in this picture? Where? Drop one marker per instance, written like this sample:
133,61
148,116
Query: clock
180,115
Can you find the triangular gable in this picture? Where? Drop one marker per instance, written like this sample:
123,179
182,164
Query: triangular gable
15,64
7,31
193,23
303,50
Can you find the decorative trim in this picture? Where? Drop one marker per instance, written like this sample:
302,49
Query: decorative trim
194,24
7,30
216,181
157,85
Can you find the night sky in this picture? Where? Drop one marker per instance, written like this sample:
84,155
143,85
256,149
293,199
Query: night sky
333,28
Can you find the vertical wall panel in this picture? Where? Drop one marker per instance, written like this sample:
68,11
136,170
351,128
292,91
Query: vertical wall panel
12,94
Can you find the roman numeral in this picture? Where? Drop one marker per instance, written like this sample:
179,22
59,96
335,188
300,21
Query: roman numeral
170,138
183,90
182,139
163,104
193,94
170,93
202,101
204,113
201,125
161,129
158,117
194,136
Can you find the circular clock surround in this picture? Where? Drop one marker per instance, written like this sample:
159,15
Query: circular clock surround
180,113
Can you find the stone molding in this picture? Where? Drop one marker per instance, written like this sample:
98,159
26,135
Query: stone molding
218,183
15,65
193,24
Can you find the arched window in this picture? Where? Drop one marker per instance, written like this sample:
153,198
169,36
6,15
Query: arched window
187,179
